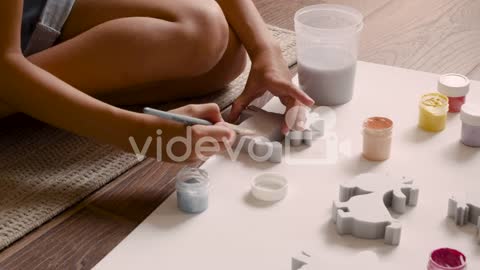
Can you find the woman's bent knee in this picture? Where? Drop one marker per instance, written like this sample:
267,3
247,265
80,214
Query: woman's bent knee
232,64
206,29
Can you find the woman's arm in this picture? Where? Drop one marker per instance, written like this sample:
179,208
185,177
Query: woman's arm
269,69
32,90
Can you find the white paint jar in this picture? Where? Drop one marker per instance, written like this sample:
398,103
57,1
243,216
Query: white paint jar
377,138
455,87
470,116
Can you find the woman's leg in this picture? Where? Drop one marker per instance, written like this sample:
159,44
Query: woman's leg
142,51
5,110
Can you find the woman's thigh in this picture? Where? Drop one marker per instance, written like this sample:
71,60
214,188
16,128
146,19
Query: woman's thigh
113,46
5,110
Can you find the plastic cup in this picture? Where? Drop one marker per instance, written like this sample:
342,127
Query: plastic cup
327,48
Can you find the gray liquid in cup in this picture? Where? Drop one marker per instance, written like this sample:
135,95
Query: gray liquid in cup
327,75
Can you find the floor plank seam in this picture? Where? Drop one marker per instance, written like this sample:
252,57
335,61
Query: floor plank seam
100,210
473,70
378,9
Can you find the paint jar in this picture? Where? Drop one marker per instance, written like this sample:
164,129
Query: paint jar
377,138
447,259
192,190
470,117
433,112
455,87
327,48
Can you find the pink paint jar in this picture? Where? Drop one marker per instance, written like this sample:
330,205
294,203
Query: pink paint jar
377,138
455,87
447,259
470,117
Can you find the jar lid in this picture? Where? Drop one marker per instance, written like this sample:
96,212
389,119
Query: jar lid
453,85
269,187
470,114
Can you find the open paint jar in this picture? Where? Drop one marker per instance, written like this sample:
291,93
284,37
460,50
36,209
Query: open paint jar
455,87
377,138
470,117
433,112
192,190
447,259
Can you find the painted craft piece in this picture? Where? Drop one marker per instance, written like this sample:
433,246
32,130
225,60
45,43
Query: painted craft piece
299,137
465,209
265,144
362,208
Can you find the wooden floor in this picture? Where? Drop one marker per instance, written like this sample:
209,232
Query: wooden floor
430,35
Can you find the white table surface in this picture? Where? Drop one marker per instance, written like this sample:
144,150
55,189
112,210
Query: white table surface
238,232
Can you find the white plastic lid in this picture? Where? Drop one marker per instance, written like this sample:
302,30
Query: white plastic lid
470,114
269,187
453,85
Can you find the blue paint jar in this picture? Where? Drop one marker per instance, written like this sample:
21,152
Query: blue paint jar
192,190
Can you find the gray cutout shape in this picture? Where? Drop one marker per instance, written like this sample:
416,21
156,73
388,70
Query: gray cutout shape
465,209
309,261
299,137
299,261
362,207
266,142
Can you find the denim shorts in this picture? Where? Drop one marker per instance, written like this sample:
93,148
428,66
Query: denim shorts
41,27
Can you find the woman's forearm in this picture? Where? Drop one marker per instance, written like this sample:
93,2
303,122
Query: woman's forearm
30,89
244,18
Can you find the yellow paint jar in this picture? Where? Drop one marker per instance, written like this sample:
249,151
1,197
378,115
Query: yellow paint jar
433,112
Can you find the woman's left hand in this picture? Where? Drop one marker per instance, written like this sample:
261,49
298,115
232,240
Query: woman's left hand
270,72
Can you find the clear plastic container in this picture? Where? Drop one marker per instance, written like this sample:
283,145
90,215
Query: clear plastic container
327,45
192,190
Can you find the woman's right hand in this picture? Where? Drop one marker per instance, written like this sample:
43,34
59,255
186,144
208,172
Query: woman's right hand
179,143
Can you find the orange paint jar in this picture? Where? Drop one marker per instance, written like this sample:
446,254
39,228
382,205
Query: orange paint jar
377,138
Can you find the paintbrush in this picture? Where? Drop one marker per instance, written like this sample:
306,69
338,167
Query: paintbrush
190,121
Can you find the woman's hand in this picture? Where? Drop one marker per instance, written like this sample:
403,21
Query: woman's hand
270,72
192,143
219,134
